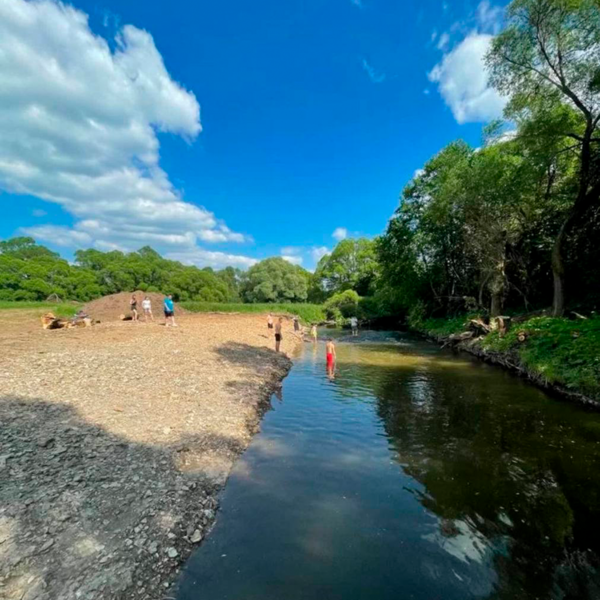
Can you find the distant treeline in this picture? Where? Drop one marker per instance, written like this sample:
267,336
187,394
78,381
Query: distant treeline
29,271
32,272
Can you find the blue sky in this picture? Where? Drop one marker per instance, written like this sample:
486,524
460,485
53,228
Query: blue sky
225,132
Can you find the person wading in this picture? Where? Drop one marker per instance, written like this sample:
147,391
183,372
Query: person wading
278,334
330,356
313,333
354,326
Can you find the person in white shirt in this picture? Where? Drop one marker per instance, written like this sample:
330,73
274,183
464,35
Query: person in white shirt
354,326
147,307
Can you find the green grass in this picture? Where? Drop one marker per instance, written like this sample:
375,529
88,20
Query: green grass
308,313
66,309
562,351
444,326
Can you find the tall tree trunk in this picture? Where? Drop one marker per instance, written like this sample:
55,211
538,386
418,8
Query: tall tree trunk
497,289
558,273
586,198
497,304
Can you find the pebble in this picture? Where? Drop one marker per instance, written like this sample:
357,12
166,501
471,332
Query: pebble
172,553
196,537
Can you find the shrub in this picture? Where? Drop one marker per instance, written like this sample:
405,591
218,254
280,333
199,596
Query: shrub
344,304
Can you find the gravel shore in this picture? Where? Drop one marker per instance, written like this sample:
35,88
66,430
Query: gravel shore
115,442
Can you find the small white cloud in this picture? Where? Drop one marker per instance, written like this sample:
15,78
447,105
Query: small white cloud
291,250
444,41
370,71
489,18
427,91
38,212
463,82
318,252
59,236
294,259
339,234
434,35
206,258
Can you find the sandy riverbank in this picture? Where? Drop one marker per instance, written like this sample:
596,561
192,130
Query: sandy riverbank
115,442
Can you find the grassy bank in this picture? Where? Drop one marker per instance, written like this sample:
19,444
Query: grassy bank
65,309
560,352
308,313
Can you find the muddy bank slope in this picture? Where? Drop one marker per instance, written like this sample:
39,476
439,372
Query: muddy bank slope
114,444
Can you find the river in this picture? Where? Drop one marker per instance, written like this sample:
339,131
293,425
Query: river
412,473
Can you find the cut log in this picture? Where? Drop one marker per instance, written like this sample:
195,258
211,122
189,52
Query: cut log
500,324
49,321
479,326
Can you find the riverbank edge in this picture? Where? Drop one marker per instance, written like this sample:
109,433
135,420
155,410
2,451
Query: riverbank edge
262,406
510,362
192,500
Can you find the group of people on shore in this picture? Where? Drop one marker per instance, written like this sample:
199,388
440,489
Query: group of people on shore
168,310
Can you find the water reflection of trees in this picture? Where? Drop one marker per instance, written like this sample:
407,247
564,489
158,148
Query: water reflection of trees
500,460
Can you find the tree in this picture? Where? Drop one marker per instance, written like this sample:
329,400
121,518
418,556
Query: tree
550,54
423,253
351,266
276,280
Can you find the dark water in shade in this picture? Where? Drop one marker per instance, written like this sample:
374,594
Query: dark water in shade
414,474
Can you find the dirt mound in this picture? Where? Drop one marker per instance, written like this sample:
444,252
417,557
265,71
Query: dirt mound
110,308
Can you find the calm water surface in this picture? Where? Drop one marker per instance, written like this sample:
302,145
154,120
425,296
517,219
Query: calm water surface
413,474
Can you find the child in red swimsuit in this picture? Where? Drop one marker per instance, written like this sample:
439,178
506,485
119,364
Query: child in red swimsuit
330,351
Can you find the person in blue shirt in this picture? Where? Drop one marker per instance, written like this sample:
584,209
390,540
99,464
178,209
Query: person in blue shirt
169,311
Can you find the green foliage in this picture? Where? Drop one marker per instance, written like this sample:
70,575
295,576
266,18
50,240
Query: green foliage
67,309
351,266
444,327
342,305
561,351
276,280
308,313
496,228
29,272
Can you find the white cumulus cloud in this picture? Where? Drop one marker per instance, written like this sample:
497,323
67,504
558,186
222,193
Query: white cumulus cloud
78,127
292,258
463,81
339,234
208,258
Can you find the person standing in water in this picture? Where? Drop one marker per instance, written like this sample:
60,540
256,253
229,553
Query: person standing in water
278,334
133,307
169,308
330,355
313,332
354,326
270,321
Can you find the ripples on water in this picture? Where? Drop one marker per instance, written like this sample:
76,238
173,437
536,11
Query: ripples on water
413,473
